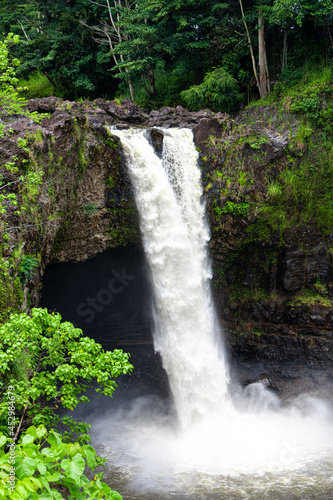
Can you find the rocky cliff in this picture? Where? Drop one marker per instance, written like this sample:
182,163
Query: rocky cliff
268,184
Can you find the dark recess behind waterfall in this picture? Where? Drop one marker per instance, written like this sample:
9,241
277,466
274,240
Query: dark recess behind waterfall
109,297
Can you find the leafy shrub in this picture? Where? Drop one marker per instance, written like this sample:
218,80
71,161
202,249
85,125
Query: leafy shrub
11,294
41,463
219,91
236,208
28,264
61,366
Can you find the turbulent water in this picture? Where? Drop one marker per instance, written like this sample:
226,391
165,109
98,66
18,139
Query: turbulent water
216,443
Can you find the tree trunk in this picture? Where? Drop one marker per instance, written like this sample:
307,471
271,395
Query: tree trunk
130,86
262,57
145,85
250,47
285,49
151,78
131,89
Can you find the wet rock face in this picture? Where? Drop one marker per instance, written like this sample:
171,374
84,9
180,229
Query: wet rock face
294,278
263,379
156,139
85,203
305,268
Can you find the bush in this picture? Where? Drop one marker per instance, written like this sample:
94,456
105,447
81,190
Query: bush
41,464
219,91
61,365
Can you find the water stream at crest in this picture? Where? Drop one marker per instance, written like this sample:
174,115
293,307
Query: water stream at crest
217,439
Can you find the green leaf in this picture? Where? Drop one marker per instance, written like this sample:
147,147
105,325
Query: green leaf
47,452
89,454
41,431
31,484
54,495
3,440
54,477
114,495
54,439
74,467
73,449
41,467
28,438
32,431
25,467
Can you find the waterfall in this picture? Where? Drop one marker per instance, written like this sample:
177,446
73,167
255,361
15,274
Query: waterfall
169,199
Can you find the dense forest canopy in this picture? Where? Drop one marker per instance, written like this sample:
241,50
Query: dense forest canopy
191,52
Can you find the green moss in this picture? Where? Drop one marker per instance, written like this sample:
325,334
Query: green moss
310,297
37,136
90,208
257,232
112,143
111,182
11,294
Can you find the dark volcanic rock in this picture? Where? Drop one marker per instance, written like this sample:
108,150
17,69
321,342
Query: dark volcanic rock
156,138
294,277
205,128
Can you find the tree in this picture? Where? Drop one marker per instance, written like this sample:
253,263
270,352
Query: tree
112,33
49,365
56,44
149,35
289,14
263,80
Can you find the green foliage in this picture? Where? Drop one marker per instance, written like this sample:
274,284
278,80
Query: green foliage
45,464
311,297
12,103
303,191
11,294
54,42
309,94
28,264
10,100
36,85
218,91
89,208
256,141
111,183
174,42
289,10
111,143
233,209
61,365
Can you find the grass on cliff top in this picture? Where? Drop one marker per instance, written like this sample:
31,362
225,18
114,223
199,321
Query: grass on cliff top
301,190
295,83
37,85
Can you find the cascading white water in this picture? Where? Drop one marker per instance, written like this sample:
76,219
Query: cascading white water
169,199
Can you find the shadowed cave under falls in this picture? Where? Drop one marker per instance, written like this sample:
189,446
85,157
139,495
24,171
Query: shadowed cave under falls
179,427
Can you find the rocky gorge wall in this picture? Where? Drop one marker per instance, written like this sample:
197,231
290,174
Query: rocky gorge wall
272,256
